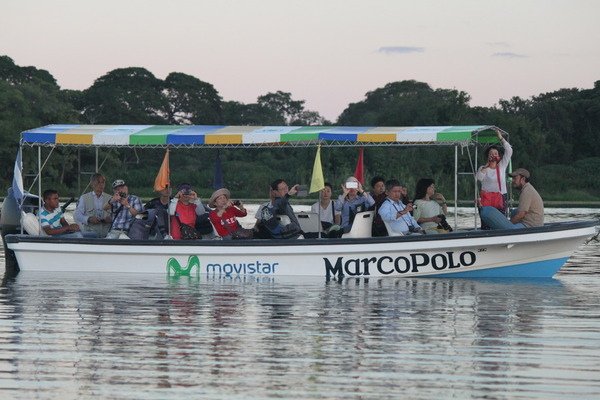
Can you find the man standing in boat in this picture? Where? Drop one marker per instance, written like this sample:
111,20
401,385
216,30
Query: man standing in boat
530,212
90,213
124,207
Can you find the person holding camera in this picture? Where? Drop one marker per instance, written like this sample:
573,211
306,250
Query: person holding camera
395,213
225,213
492,175
123,207
352,201
187,209
430,208
268,215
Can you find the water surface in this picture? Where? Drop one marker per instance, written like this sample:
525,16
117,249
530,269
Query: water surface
133,336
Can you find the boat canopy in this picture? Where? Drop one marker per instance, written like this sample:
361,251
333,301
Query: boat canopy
253,136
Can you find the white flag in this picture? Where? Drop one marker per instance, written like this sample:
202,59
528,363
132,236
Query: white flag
17,184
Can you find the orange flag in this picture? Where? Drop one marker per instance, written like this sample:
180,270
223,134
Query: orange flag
162,179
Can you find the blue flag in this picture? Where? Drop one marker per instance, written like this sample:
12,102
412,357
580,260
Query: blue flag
218,181
17,183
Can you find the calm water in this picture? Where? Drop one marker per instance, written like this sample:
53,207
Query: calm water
141,337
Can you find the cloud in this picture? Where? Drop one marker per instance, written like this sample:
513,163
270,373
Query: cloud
400,49
498,44
509,54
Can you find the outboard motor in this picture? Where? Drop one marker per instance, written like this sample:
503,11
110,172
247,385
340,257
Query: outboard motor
10,222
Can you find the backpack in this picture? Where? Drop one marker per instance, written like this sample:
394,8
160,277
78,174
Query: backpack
269,227
141,228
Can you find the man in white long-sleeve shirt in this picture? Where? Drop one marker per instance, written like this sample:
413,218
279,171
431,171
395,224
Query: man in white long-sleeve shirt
90,214
395,213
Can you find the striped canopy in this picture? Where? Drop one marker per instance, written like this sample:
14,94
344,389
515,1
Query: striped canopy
236,136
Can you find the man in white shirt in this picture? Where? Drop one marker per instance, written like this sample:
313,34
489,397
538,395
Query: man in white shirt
395,213
90,214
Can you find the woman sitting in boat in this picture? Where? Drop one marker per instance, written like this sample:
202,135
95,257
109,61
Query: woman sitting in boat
224,216
352,201
325,207
492,175
185,209
395,214
430,208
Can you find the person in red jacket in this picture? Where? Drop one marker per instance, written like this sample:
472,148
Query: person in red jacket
225,213
184,209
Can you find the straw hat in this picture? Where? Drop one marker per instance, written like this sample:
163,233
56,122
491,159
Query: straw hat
217,193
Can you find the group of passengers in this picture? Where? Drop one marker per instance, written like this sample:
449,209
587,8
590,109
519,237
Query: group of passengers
184,216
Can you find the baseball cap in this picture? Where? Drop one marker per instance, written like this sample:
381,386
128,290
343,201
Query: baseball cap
520,171
117,183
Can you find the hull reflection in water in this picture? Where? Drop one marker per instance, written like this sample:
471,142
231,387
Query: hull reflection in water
133,336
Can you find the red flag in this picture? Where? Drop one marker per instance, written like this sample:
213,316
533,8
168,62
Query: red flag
162,180
359,172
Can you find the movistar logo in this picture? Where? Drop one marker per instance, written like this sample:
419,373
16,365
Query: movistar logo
173,265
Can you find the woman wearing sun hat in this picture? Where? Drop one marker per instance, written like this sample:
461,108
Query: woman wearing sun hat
225,213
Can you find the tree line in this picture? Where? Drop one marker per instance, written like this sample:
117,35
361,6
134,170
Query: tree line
555,135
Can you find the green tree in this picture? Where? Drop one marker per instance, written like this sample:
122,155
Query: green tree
30,98
191,101
126,96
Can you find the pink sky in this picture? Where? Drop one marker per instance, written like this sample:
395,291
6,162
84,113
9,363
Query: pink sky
329,53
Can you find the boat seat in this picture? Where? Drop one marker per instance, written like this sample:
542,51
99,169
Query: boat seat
362,225
31,225
309,223
390,231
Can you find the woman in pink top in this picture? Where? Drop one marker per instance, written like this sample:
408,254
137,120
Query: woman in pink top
225,213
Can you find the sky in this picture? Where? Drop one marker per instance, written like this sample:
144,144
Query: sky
329,53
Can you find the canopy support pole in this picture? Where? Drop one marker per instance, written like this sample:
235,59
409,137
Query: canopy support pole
455,187
475,208
39,178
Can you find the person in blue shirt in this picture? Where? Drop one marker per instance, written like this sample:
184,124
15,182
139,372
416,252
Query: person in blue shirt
395,213
124,207
352,201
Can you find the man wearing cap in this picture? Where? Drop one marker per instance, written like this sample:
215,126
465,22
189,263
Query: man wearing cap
530,212
90,214
123,207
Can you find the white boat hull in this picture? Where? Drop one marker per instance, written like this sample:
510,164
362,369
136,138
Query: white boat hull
536,252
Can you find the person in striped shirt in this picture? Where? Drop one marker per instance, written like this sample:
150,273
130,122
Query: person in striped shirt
52,219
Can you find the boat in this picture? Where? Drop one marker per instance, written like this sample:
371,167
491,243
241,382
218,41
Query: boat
521,253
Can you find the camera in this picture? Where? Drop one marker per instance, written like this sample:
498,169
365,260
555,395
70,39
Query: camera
414,229
443,223
122,195
236,203
186,191
351,185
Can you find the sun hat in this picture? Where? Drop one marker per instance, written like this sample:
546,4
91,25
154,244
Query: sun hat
217,193
117,183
